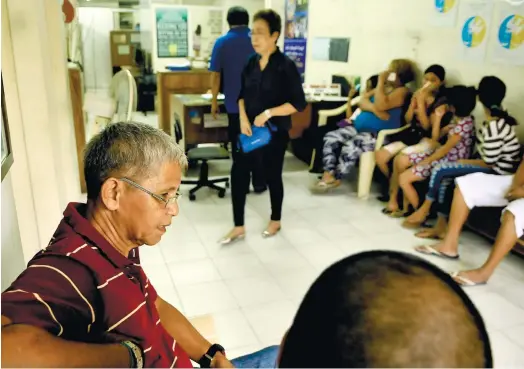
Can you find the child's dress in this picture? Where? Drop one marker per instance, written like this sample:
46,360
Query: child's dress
465,127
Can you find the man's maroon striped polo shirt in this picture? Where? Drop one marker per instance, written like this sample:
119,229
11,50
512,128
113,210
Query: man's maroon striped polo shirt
82,289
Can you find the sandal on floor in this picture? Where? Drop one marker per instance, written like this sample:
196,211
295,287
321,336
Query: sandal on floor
465,282
398,214
387,211
429,250
430,235
411,225
323,186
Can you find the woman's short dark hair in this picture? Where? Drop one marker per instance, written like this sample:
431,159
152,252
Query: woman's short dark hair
272,18
237,16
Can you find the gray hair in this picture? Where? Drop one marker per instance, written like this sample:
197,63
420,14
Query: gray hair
128,150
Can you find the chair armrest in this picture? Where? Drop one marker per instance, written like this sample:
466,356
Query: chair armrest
387,132
324,114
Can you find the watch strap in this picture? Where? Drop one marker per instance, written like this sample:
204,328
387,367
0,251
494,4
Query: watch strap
205,360
135,354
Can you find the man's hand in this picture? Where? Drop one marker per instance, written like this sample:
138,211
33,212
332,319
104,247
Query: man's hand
260,120
515,193
214,107
220,361
245,127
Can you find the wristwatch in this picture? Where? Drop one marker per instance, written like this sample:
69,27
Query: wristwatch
205,360
267,113
135,354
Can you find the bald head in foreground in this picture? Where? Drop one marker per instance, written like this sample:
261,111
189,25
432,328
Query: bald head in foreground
386,309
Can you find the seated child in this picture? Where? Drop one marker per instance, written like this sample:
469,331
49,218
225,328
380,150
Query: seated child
498,152
423,104
381,109
458,145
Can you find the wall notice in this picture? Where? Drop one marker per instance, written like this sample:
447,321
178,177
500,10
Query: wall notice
508,48
171,32
444,13
295,33
475,18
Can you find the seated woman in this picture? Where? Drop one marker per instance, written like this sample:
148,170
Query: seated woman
440,120
498,152
381,109
457,147
423,104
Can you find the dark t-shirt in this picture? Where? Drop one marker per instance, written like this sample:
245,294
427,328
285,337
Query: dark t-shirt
277,84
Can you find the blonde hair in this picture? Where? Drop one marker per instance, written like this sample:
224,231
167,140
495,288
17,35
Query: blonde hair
404,68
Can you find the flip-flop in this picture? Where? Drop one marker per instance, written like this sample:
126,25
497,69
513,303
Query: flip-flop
387,211
323,186
428,250
398,214
430,237
465,282
411,225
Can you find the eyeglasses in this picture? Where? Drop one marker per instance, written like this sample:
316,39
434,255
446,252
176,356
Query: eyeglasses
169,201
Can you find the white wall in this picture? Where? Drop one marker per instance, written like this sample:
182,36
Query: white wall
45,171
382,29
96,23
13,262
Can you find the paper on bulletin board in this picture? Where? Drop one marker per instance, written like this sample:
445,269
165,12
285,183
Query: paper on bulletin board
124,50
474,24
444,13
508,48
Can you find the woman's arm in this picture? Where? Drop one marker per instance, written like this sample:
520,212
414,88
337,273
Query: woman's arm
385,101
442,151
408,117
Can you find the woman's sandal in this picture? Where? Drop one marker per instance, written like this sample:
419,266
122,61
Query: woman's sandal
323,186
428,234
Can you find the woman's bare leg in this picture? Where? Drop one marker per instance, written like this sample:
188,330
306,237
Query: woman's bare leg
400,164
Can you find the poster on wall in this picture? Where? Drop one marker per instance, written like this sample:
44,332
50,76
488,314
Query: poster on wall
474,24
444,13
171,32
508,48
295,33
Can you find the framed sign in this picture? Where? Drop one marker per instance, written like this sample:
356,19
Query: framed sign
7,153
171,33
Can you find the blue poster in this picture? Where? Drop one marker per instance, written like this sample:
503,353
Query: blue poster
171,32
295,33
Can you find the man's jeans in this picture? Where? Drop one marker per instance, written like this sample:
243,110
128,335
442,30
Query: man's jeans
265,358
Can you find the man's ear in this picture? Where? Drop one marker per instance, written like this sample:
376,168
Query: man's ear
110,193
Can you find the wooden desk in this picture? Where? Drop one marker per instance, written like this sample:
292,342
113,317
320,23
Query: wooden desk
189,110
170,83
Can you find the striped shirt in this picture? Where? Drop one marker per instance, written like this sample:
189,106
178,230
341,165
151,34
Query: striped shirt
499,147
82,289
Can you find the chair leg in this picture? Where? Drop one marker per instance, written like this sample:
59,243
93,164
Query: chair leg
365,176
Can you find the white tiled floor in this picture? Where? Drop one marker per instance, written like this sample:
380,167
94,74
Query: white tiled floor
190,270
253,288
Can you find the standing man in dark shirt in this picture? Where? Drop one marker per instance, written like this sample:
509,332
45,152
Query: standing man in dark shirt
271,90
229,57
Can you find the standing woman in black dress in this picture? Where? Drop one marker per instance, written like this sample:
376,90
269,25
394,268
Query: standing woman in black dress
271,91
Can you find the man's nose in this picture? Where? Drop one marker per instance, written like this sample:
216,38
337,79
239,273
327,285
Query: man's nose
172,209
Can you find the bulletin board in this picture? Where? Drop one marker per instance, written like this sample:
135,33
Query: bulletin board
172,32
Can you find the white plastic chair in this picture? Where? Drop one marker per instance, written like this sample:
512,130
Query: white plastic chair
323,116
367,159
367,162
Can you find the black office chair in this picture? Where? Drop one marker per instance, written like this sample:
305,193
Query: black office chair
204,154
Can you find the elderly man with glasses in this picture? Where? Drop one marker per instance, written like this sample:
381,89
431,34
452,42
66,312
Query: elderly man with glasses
85,301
